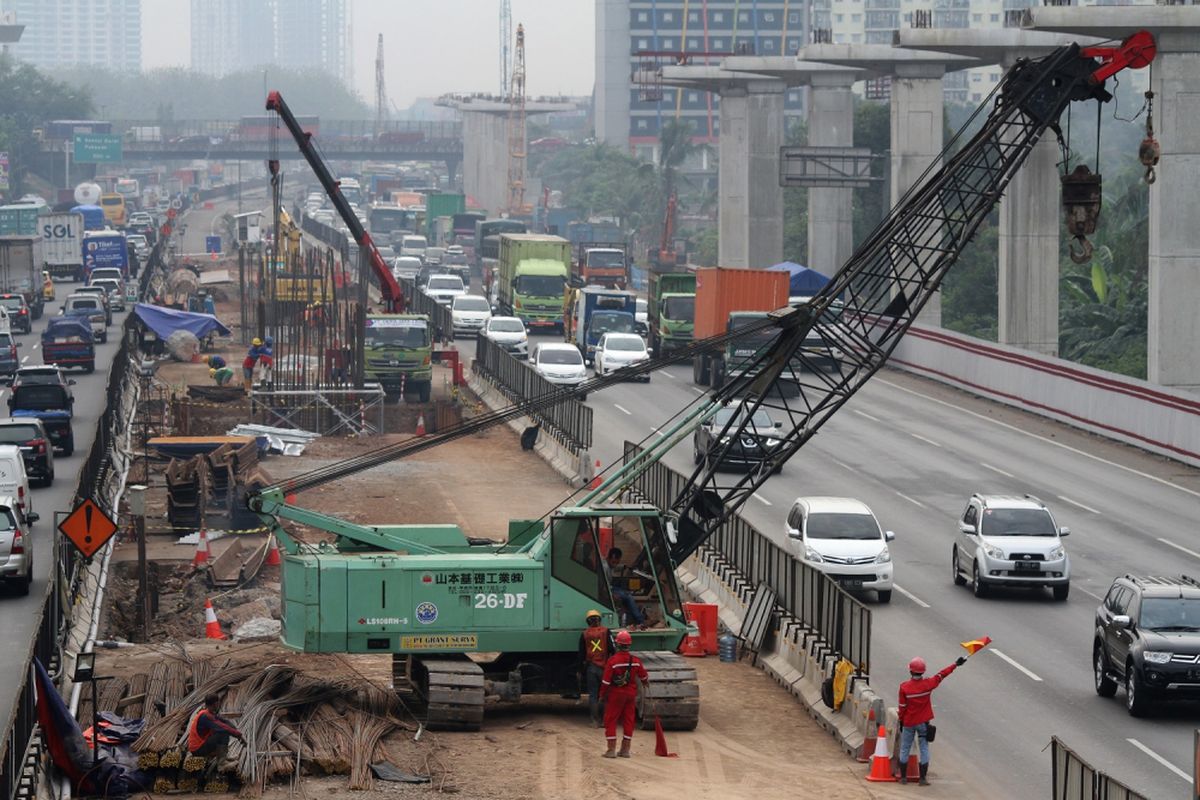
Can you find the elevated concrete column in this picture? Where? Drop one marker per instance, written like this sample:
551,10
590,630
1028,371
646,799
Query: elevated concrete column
1173,357
750,199
830,211
917,102
485,159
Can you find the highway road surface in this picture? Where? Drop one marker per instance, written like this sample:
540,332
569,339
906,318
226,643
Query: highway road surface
915,452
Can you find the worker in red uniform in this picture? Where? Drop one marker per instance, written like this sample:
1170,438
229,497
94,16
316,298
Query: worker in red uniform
595,648
208,733
916,712
618,687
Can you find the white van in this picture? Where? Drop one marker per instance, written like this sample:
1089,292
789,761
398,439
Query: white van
14,481
414,246
841,537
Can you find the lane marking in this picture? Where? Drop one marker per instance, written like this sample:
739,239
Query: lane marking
657,431
1015,664
1179,547
923,439
844,465
910,595
1160,759
24,359
997,470
1015,429
1077,503
698,390
36,346
1090,594
912,500
669,375
762,499
865,414
623,410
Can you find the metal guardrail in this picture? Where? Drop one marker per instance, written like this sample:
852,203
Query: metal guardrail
569,422
1076,779
440,316
808,595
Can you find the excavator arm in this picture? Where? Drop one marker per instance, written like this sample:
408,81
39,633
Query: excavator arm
393,297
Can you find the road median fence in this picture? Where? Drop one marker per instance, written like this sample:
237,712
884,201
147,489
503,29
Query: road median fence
1076,779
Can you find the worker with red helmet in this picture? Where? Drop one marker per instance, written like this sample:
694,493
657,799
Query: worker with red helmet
595,648
618,688
916,712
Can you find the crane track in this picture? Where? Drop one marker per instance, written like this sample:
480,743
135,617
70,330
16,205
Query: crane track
448,690
674,693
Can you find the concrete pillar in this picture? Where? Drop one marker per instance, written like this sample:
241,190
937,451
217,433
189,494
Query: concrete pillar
830,211
1173,357
612,73
485,159
917,102
750,197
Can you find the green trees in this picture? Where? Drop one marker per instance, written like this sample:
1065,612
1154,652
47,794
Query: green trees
27,99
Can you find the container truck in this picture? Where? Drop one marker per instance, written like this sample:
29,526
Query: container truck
441,205
602,264
533,274
578,232
671,309
487,238
19,220
105,249
62,245
727,300
21,270
593,311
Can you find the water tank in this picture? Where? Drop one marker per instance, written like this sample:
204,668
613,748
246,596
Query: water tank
87,194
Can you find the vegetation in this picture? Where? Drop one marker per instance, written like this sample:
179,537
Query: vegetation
29,98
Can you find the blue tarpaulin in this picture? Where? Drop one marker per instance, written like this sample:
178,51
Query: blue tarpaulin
804,281
165,321
66,327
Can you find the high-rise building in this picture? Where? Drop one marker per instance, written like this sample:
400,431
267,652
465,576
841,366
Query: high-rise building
232,35
62,33
315,33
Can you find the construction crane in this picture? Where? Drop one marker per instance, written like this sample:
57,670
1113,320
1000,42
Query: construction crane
393,297
516,131
381,102
505,43
429,595
666,259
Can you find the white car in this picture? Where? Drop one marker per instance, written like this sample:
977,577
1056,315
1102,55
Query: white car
469,314
1005,540
841,537
406,267
413,245
559,363
509,333
444,288
617,350
641,316
5,321
115,289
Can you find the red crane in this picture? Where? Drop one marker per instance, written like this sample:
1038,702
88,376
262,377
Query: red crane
393,296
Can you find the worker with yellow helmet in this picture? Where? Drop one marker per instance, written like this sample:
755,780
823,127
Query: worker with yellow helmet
222,375
595,646
248,363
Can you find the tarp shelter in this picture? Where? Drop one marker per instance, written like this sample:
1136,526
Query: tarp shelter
165,321
804,281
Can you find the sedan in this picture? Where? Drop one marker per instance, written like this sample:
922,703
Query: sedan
759,440
509,333
560,363
616,351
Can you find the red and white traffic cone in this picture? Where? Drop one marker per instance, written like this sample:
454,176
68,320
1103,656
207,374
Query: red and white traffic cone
881,762
212,628
868,746
420,425
203,553
273,559
596,481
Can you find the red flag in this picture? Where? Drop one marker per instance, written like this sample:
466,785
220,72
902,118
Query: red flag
975,645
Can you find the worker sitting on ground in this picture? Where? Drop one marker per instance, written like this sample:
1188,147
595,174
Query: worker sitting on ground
216,362
618,578
208,733
223,376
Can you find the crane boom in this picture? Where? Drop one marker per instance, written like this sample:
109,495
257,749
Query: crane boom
393,297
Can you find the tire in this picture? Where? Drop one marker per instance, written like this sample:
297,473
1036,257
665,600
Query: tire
49,481
1105,685
978,586
718,374
959,580
1137,698
26,582
1061,592
697,456
885,596
700,370
424,392
69,447
90,367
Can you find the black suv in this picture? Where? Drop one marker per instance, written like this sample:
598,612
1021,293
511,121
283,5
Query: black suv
1148,638
28,434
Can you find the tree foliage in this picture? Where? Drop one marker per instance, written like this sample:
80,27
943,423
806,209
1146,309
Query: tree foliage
27,99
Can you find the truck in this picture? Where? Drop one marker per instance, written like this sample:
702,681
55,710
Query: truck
581,231
730,299
602,264
671,309
19,220
62,245
105,249
487,241
441,205
398,353
592,311
533,274
93,217
21,270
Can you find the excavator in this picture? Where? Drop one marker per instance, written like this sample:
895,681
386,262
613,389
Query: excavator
469,620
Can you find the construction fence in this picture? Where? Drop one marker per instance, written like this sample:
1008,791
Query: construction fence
1076,779
440,317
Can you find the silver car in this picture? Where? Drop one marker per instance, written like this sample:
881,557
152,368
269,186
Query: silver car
16,546
1006,540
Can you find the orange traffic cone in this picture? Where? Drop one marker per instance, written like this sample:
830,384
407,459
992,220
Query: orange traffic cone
203,553
913,772
212,628
420,425
596,481
881,762
660,741
868,747
273,559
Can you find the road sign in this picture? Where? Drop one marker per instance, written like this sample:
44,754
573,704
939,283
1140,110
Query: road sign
838,167
212,244
97,148
3,172
88,528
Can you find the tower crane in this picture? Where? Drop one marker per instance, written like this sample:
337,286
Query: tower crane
516,130
381,102
505,43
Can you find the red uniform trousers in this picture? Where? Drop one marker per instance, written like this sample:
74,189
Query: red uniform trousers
622,705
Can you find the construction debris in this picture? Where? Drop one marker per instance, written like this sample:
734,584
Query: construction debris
288,441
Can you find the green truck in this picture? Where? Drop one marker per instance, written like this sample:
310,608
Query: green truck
441,205
20,220
533,274
671,307
398,352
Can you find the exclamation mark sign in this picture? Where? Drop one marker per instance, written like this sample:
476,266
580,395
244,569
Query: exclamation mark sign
87,516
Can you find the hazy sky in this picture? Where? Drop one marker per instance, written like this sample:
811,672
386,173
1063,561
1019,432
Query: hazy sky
430,46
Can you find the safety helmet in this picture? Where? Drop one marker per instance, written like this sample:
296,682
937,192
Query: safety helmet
269,340
212,373
917,665
256,341
592,613
623,638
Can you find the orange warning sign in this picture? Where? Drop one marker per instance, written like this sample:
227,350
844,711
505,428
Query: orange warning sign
88,528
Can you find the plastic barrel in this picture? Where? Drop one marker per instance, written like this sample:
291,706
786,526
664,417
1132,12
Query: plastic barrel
727,647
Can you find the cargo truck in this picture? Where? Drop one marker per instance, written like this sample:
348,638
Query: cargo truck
727,300
602,264
441,205
398,353
62,245
593,311
93,217
105,249
21,270
533,274
20,219
671,309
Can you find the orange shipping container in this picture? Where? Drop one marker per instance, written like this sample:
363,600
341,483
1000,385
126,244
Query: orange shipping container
723,290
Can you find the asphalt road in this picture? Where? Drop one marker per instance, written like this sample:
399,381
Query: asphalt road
915,452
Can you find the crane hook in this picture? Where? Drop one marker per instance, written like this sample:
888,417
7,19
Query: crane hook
1081,197
1084,254
1149,150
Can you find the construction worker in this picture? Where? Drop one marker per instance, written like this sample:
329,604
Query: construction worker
216,362
595,648
207,733
250,361
266,361
618,689
223,375
916,712
618,573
